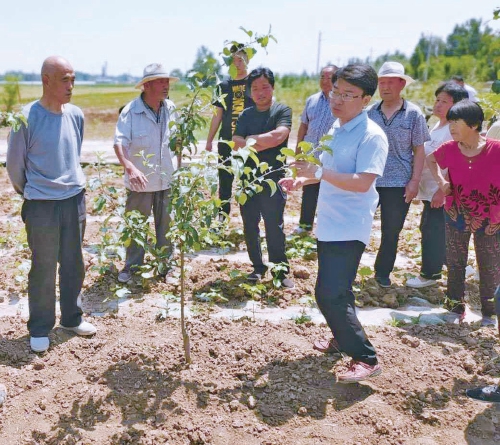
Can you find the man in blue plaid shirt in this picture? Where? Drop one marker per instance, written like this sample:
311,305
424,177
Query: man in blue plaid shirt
315,122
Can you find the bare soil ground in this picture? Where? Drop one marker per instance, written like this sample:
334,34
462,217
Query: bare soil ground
251,381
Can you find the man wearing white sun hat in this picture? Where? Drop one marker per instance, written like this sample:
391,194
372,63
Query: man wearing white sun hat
144,131
406,129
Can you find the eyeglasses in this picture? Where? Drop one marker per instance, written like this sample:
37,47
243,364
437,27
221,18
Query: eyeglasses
346,97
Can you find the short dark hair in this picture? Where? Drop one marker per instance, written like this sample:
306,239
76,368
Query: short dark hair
236,47
457,78
470,112
360,75
452,89
260,72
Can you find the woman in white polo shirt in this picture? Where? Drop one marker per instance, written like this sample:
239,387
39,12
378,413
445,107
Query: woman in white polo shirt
432,220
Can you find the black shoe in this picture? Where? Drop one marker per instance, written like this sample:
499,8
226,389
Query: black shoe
254,277
489,394
383,282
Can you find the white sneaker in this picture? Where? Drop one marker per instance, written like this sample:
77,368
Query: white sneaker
39,344
419,282
3,394
84,328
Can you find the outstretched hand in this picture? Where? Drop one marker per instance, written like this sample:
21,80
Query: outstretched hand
305,169
291,184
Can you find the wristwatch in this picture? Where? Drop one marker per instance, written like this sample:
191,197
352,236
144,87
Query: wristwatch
319,173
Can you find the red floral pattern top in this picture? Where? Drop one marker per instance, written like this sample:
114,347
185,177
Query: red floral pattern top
475,185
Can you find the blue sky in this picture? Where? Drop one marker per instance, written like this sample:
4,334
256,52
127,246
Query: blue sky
131,34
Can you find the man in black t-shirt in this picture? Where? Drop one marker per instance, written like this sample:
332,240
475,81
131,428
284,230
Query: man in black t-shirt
269,124
236,100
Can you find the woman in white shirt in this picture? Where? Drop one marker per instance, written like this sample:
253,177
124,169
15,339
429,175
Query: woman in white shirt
432,220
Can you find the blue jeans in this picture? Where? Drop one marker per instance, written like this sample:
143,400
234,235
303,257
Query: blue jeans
338,263
54,231
393,211
433,241
271,209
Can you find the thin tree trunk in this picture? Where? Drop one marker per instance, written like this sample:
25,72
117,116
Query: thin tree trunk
185,334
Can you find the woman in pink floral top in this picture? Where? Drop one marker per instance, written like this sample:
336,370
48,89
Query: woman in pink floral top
472,205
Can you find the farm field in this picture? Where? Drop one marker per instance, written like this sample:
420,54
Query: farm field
252,381
101,103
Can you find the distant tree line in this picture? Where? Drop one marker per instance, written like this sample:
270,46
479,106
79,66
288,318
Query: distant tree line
36,77
472,50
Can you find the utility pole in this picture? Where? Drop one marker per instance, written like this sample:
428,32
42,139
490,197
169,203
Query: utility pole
428,58
319,52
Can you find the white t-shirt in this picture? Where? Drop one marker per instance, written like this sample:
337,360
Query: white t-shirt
494,131
428,185
471,91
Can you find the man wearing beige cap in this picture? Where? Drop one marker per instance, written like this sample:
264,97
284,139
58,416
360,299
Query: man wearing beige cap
144,131
406,129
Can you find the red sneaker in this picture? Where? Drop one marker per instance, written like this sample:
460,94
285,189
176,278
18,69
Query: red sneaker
359,371
327,346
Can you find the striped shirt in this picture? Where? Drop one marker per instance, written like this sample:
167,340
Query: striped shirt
318,117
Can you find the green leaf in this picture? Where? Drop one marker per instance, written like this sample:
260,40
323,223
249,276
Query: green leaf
288,152
250,52
233,71
248,33
263,167
242,199
272,185
99,204
365,271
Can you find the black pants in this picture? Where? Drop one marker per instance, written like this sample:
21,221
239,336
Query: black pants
144,202
338,263
54,231
393,211
225,178
271,209
308,207
433,241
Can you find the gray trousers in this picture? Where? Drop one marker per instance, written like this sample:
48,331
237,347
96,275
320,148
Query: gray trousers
54,231
144,202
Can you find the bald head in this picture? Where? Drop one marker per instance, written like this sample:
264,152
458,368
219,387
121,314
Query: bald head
53,64
58,78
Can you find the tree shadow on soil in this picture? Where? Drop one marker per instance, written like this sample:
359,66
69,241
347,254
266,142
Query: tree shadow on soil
144,394
304,387
140,392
